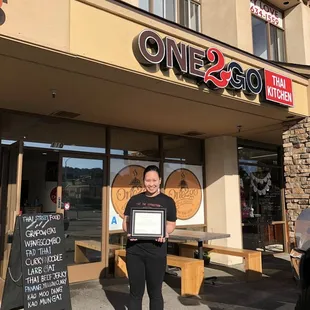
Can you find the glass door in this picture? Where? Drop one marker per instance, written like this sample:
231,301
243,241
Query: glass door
80,199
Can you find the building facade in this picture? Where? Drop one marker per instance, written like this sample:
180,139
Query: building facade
95,90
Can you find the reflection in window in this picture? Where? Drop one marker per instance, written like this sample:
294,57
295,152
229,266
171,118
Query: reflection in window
170,10
260,195
158,8
186,12
82,182
116,241
257,156
134,143
54,133
194,16
273,49
260,41
277,44
182,149
189,14
144,5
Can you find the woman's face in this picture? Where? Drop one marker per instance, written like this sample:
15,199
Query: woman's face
152,182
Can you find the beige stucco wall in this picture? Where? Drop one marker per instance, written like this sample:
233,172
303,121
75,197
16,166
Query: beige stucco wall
133,2
297,34
223,194
306,23
228,21
43,22
95,40
60,24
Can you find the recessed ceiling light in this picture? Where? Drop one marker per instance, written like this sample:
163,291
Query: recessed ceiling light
286,2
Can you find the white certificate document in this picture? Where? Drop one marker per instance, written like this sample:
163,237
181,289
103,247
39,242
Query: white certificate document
148,223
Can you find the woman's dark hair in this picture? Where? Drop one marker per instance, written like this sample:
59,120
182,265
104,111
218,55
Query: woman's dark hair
151,168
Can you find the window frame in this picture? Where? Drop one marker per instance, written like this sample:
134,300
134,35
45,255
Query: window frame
195,2
177,12
268,29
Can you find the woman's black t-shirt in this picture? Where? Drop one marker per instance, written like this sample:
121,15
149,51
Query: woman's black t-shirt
159,201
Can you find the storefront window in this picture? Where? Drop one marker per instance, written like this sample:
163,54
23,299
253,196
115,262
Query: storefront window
277,44
258,156
126,180
189,14
182,149
186,12
260,194
134,143
273,48
82,183
144,5
54,133
260,41
184,184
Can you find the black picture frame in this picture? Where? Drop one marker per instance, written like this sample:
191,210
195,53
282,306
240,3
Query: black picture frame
145,235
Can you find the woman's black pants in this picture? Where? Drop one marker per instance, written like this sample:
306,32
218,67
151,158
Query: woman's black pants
147,268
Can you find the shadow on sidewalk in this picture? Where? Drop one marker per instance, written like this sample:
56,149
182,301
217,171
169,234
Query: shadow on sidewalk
275,290
117,292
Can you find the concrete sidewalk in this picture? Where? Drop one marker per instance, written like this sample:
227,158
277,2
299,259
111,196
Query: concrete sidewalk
276,291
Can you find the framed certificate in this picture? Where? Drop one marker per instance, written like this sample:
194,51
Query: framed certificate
147,223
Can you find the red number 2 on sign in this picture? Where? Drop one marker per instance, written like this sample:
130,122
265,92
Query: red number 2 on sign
224,76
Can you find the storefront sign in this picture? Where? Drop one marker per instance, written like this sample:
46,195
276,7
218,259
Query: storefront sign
206,66
278,88
266,12
184,188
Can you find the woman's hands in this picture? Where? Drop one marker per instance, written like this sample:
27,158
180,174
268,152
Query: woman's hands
163,240
131,239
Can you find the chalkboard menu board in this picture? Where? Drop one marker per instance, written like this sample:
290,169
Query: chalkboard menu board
44,270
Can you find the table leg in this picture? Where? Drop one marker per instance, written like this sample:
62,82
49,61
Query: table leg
200,256
200,250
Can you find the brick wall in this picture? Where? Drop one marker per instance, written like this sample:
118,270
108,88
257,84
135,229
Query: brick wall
296,144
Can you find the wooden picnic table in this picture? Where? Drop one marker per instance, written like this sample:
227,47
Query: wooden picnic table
199,236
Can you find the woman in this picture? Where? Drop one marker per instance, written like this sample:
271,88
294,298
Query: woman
146,260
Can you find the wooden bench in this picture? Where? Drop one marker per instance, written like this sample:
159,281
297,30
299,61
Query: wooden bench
253,259
192,271
81,246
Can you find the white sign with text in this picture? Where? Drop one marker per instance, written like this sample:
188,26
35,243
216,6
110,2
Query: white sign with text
266,12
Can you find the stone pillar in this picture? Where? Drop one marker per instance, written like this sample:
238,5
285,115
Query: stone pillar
296,144
223,194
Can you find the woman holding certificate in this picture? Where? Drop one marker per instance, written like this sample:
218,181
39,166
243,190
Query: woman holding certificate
146,258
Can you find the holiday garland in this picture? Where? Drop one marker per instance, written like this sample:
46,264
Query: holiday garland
266,179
